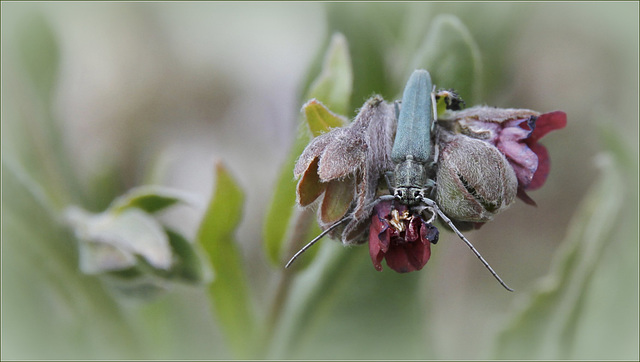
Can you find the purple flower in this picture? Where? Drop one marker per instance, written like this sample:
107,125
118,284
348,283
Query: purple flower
401,238
515,132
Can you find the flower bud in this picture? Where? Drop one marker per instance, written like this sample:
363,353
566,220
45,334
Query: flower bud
474,180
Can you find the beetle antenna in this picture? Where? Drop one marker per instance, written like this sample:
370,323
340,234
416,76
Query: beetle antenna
453,227
310,244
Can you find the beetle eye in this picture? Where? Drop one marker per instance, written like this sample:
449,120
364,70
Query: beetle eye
399,193
416,194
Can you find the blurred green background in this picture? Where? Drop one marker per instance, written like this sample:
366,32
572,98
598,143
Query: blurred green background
98,98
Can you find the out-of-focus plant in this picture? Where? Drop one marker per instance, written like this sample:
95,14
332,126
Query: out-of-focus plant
130,248
326,306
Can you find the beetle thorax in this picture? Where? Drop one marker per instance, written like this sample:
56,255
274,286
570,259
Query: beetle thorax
410,181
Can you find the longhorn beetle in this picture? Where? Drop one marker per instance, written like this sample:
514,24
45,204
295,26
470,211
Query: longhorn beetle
416,158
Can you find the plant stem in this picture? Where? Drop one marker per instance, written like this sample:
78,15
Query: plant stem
300,229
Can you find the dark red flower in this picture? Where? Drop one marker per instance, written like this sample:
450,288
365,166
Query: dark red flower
401,238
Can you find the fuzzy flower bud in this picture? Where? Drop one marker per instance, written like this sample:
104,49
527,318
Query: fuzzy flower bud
475,181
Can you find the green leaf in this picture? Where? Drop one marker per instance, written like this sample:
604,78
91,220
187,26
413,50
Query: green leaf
334,84
39,53
282,207
151,199
283,215
229,291
547,326
187,264
452,56
320,119
374,34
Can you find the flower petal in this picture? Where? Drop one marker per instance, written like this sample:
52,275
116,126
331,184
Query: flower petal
309,187
355,232
419,254
379,238
408,257
523,160
344,156
398,259
337,200
544,164
548,122
429,233
413,230
313,150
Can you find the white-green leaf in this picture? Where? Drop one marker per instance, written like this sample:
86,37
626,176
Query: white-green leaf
112,241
